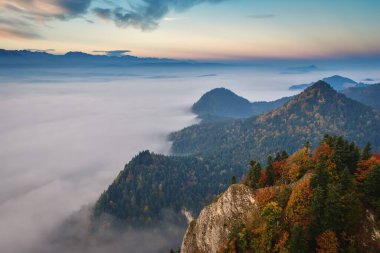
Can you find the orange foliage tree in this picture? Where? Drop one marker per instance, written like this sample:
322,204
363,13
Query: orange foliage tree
327,242
265,195
365,167
280,172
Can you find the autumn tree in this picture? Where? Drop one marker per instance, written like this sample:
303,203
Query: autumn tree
299,163
298,208
327,242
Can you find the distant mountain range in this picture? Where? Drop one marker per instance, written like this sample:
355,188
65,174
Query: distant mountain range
28,58
367,95
308,116
339,83
221,104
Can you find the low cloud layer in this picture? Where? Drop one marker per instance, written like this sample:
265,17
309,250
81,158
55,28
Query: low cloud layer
64,137
117,53
62,143
78,234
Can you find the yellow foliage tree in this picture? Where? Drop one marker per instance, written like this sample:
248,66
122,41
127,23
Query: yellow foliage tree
298,163
298,208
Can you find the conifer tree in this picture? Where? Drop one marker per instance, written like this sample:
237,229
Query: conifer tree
297,242
366,154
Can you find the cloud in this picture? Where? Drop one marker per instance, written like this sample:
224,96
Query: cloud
117,53
41,50
148,13
171,19
262,16
19,16
47,9
17,28
8,32
103,13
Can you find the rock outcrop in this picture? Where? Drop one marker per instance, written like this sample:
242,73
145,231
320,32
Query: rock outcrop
209,232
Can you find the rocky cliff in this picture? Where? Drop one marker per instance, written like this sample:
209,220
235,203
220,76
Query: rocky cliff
209,232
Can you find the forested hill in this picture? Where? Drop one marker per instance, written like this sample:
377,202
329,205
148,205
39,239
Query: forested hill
308,116
151,184
221,104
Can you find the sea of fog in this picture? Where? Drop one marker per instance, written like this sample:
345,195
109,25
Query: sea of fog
65,134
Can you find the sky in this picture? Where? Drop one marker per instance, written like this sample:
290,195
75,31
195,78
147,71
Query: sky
195,29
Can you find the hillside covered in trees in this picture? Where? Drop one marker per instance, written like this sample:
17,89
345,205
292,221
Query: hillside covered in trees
308,116
151,184
324,201
214,152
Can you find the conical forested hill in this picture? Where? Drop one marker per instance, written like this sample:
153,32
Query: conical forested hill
221,102
152,184
317,111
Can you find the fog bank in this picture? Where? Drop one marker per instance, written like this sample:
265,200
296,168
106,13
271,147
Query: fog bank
65,136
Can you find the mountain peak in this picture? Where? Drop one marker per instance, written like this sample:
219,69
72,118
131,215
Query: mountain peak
222,102
319,101
321,86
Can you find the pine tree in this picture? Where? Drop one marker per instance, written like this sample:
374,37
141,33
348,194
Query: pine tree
254,174
297,242
270,172
233,180
284,155
366,154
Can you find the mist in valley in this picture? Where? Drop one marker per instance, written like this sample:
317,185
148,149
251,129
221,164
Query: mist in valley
66,134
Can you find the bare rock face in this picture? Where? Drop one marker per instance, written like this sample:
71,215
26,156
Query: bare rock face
209,232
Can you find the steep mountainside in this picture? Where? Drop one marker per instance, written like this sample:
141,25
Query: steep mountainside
151,184
211,229
308,116
222,104
367,95
299,203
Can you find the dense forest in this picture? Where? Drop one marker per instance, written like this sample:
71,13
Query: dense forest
327,200
151,184
316,111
